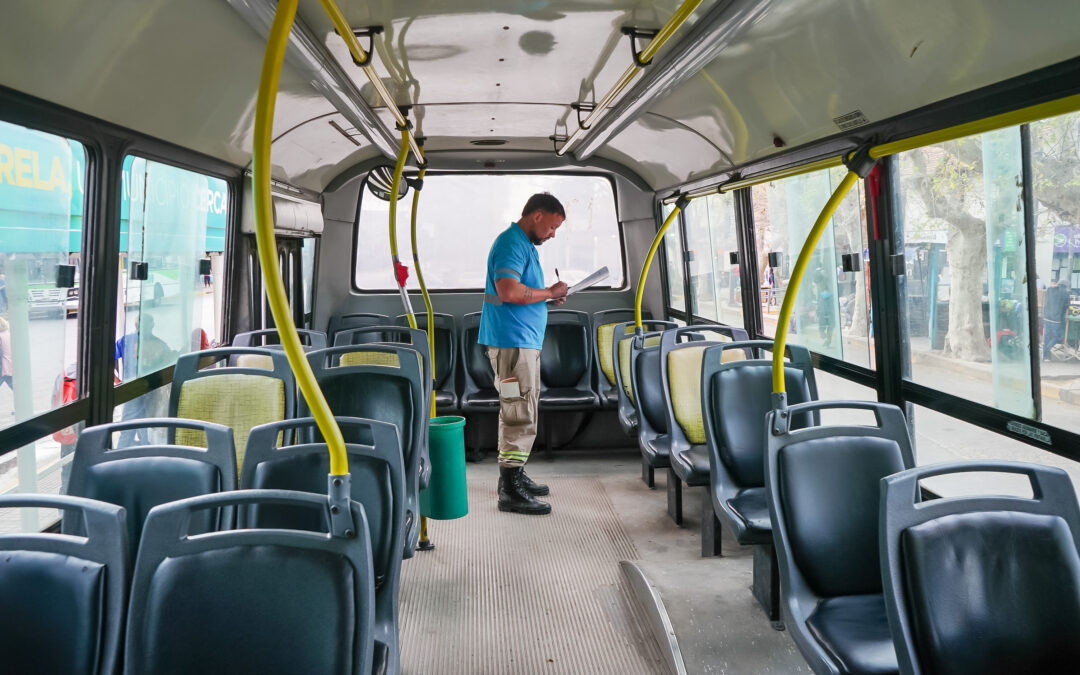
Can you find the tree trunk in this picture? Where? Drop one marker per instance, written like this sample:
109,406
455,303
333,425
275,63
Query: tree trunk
966,251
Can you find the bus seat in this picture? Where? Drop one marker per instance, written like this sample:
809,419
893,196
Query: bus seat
566,362
391,394
603,330
620,355
233,396
445,358
651,416
981,584
140,477
478,394
63,597
736,396
270,338
823,491
415,338
251,600
377,482
680,376
355,320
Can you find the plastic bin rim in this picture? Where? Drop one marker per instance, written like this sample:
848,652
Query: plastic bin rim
447,421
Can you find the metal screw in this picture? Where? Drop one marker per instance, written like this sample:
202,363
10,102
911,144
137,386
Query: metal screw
337,482
334,510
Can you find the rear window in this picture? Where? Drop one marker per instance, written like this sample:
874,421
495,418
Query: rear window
460,215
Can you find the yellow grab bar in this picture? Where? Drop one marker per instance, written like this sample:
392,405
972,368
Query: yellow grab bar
649,258
797,274
264,237
423,286
600,109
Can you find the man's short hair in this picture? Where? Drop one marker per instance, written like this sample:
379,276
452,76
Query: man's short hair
543,201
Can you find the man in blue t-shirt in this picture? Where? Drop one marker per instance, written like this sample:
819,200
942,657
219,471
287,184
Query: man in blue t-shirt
512,327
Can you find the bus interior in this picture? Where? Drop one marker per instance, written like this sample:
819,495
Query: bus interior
835,351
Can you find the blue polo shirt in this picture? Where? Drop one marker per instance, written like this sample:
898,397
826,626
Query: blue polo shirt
504,324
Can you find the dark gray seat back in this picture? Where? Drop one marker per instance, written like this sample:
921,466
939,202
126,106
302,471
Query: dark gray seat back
478,392
390,393
981,584
822,496
140,477
253,600
377,481
355,320
270,337
64,597
566,361
622,332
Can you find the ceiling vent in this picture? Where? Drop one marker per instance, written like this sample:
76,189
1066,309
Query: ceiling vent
489,141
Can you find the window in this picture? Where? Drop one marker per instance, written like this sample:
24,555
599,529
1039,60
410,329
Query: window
42,180
1055,165
172,225
673,261
307,267
965,294
831,314
710,237
459,216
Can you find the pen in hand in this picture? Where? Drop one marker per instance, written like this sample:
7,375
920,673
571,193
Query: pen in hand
557,274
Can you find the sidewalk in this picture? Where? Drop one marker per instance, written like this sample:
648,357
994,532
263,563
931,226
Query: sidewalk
1063,383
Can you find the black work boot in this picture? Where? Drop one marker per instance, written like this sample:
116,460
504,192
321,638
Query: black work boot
533,488
513,496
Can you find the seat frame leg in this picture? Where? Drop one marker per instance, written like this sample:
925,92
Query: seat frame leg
648,474
674,496
711,529
766,585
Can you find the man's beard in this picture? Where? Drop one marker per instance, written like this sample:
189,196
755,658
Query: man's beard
535,240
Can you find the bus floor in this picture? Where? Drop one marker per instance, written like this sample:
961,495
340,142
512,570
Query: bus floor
507,593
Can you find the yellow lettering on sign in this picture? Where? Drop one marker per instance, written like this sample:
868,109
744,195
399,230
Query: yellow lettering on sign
6,165
38,183
23,170
57,176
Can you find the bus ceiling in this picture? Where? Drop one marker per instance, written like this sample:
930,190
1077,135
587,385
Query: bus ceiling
737,83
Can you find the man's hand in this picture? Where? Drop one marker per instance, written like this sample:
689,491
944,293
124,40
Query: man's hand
558,291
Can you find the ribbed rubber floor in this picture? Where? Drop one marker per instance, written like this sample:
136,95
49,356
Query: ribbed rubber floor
507,593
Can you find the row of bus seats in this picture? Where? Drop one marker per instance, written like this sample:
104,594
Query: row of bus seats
576,370
241,387
870,578
161,557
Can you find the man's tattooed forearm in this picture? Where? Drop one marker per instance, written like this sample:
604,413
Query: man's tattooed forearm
527,295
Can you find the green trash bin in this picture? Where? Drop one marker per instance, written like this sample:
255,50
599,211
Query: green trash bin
445,497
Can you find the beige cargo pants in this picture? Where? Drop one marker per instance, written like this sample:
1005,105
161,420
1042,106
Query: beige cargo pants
518,405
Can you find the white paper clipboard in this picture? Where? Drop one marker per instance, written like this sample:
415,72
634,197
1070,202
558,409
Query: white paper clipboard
591,280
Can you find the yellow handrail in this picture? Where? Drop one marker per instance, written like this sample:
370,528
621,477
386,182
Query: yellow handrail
648,263
346,32
423,286
395,261
264,237
600,109
797,274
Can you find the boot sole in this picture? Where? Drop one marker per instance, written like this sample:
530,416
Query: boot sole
528,512
539,493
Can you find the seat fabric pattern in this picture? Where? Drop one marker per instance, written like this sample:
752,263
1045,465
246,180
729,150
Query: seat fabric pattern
372,359
830,492
743,395
240,401
51,619
204,617
260,361
684,376
604,339
1011,580
624,364
854,630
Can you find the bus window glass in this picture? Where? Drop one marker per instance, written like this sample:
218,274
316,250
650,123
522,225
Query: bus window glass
965,294
1055,165
307,268
42,178
673,262
832,310
714,281
171,221
20,474
942,438
459,216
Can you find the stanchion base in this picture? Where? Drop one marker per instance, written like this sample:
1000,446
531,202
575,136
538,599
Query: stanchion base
426,545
